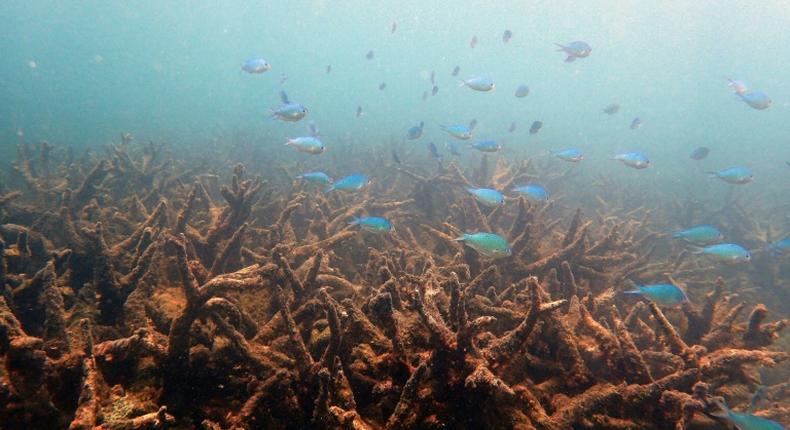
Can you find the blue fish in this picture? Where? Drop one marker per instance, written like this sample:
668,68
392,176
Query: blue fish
637,160
700,235
522,91
780,247
489,245
570,154
458,131
728,253
316,178
289,111
734,175
256,66
574,50
699,153
307,144
480,83
372,224
533,192
745,420
535,128
415,132
353,182
757,100
663,294
434,151
487,196
486,146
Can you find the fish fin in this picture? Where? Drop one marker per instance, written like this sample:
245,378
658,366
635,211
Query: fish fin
460,239
355,221
759,393
463,83
284,97
562,47
724,411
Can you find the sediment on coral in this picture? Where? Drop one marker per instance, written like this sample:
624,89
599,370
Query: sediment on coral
145,292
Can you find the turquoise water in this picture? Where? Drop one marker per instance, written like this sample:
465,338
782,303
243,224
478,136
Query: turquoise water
171,71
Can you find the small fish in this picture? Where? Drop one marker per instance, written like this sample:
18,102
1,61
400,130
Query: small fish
612,109
433,78
780,247
369,55
522,91
535,128
739,87
382,85
512,127
372,224
486,146
473,42
434,151
700,235
458,131
506,36
728,253
636,123
480,83
745,420
662,294
353,182
570,154
283,78
487,196
456,70
434,90
637,160
359,111
256,66
415,132
320,178
328,69
289,111
574,50
488,245
395,157
757,100
452,148
734,175
307,144
533,192
699,153
394,27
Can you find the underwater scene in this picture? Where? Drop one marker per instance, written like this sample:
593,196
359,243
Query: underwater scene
316,214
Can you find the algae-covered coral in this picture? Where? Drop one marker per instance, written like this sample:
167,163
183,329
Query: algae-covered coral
140,292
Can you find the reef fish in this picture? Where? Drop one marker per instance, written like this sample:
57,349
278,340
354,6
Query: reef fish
637,160
700,235
512,127
636,123
535,127
479,83
473,42
533,192
739,87
434,151
316,178
757,100
780,247
415,132
369,55
486,146
456,70
372,224
734,175
745,420
307,144
487,196
489,245
289,111
699,153
570,154
663,294
353,182
458,131
574,50
506,36
728,253
522,91
612,109
256,66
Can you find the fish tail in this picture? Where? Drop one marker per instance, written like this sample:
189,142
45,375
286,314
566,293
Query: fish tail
289,141
696,250
329,189
712,174
460,238
562,47
725,410
355,221
677,235
463,83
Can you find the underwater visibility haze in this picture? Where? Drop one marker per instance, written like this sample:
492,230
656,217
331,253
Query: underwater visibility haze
392,215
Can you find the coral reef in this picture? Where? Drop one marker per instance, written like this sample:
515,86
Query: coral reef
143,294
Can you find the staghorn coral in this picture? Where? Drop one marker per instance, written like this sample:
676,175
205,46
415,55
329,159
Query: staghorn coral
165,308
